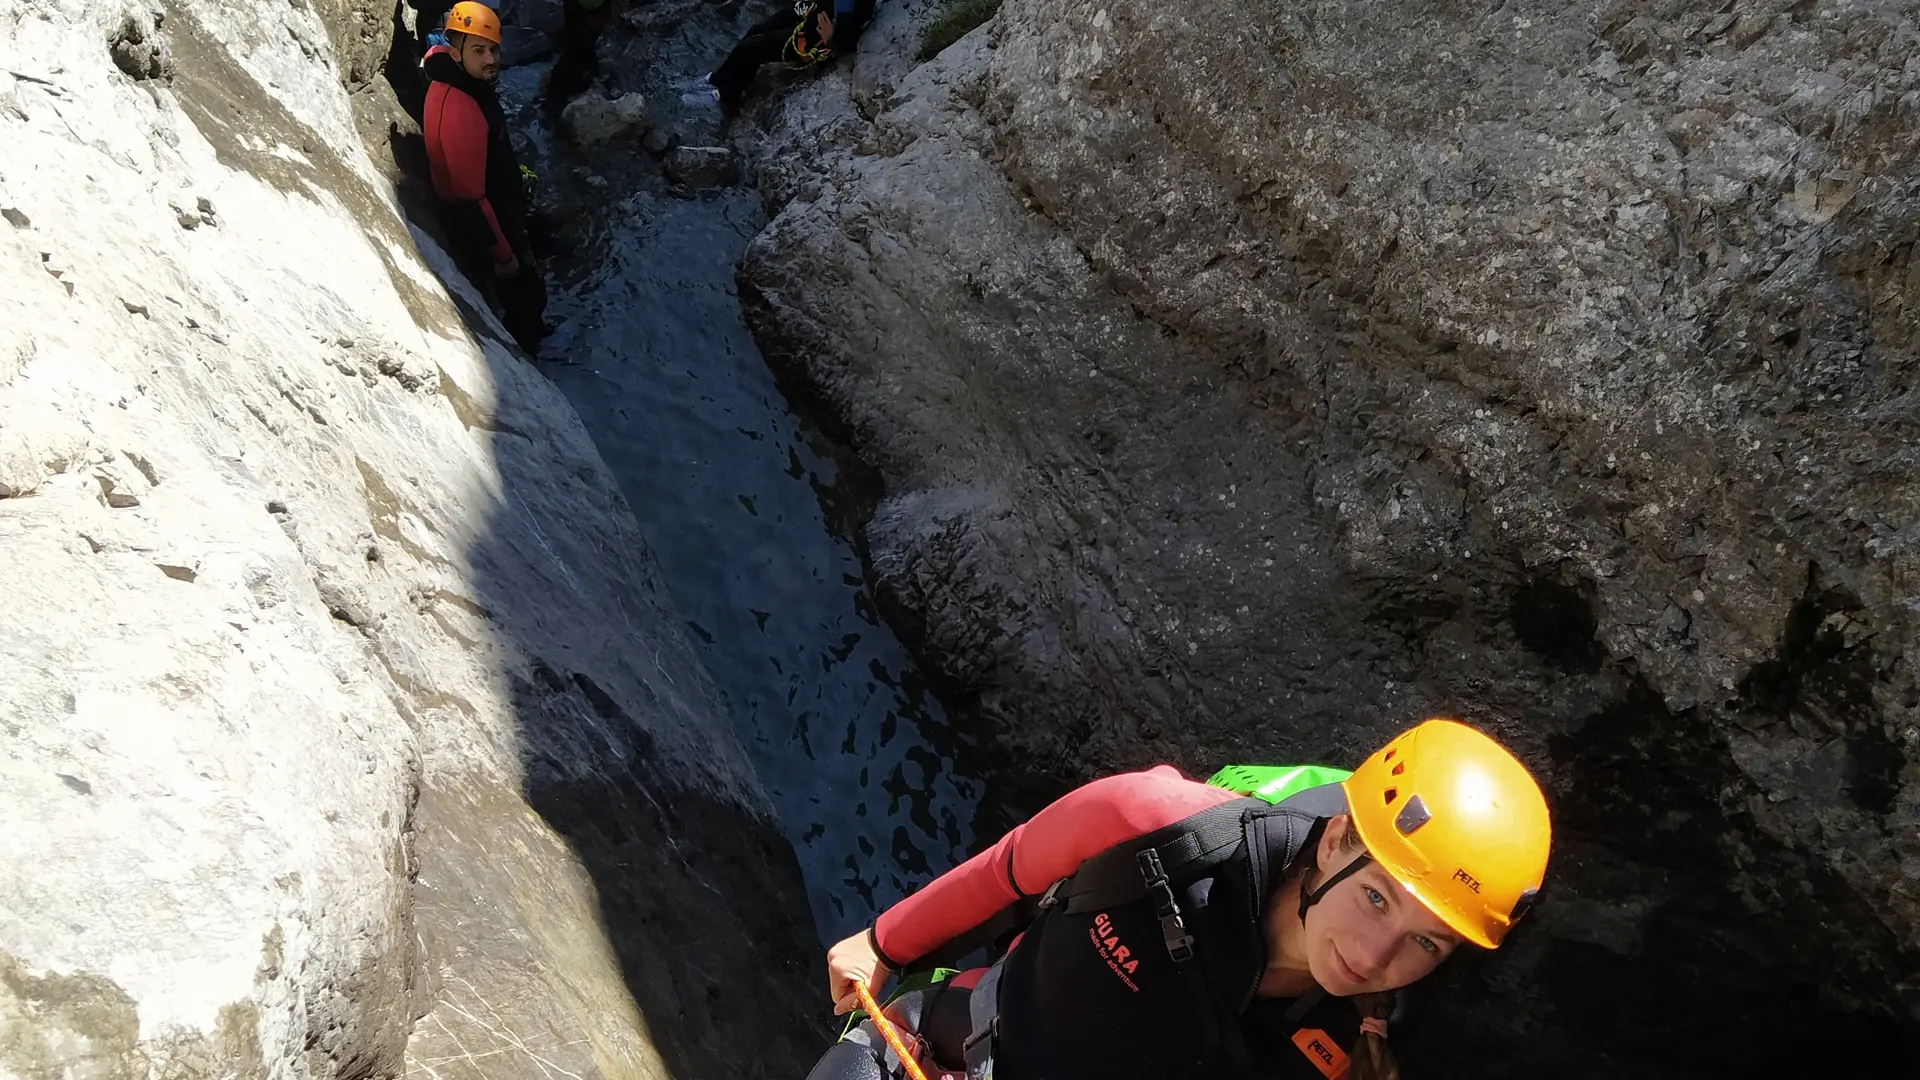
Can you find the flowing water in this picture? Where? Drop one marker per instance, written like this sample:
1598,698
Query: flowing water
748,516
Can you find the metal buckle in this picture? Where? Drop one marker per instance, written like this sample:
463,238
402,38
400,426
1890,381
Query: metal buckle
978,1058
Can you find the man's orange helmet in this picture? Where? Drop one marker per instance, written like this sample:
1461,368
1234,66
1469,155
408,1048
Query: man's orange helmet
469,17
1457,820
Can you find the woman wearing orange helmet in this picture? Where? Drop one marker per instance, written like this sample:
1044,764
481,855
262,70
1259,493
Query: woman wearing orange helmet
1168,928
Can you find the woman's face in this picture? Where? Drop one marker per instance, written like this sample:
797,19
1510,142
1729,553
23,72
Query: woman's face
1368,934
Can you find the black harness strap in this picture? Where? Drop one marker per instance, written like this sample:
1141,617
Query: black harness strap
1218,1034
1302,1005
984,1011
1185,850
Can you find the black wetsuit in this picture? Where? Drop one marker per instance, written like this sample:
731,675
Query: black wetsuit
1277,1043
578,62
774,40
1098,992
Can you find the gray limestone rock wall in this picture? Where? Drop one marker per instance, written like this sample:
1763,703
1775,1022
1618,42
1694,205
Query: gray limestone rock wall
345,728
1251,380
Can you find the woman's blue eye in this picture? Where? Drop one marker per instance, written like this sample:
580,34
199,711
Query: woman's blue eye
1427,943
1374,897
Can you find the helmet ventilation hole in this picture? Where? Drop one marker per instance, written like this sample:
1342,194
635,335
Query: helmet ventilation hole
1392,794
1400,768
1388,756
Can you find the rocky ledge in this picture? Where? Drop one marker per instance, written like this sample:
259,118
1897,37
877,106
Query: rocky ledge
347,730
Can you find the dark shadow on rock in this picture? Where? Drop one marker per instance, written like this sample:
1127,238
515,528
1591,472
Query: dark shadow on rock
1659,953
1680,935
699,895
703,905
1555,621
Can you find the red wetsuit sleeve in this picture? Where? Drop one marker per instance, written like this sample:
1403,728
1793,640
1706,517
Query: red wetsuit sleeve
457,145
1049,846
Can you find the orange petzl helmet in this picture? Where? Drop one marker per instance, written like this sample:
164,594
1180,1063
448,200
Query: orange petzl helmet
1457,820
469,17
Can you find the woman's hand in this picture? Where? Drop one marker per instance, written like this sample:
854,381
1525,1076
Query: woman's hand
850,960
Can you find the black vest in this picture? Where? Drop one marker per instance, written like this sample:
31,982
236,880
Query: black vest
1096,993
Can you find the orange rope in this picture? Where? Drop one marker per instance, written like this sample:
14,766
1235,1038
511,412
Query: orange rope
887,1031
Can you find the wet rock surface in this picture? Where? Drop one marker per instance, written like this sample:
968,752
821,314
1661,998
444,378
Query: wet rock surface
1247,395
349,729
703,166
519,45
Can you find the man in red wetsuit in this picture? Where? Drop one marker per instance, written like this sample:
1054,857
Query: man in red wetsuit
1172,929
476,173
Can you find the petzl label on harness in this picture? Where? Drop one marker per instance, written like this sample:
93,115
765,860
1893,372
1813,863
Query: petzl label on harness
1320,1049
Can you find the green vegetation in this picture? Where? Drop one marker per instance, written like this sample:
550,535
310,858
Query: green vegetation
955,22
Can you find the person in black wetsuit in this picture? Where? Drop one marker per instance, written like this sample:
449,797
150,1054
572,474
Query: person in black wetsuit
810,33
579,60
1168,930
